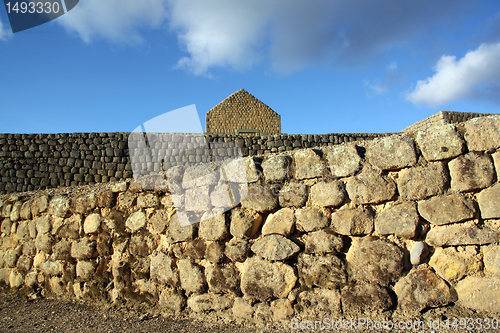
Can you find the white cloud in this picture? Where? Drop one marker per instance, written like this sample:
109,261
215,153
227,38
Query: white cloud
116,20
383,84
4,33
473,76
287,34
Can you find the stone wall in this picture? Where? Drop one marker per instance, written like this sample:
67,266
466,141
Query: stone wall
37,161
442,118
399,224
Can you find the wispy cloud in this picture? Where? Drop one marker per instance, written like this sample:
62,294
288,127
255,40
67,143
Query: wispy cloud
4,33
383,84
476,76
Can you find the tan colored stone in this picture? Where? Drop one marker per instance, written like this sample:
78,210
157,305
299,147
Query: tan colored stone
237,249
311,219
492,260
260,198
197,199
213,228
85,270
245,223
353,222
479,293
452,265
461,234
322,242
136,221
343,160
470,172
308,164
401,220
200,175
191,277
172,300
282,309
242,309
206,302
391,153
275,248
177,233
92,223
293,195
447,209
489,202
83,204
39,205
43,224
222,279
282,222
276,168
83,248
440,143
321,271
370,187
365,298
482,133
418,183
330,194
252,173
163,269
318,303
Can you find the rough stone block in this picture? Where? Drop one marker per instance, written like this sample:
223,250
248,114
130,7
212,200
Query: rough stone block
318,303
400,220
492,260
353,221
419,183
198,199
252,172
92,223
282,222
321,271
391,153
322,242
293,195
479,293
213,226
482,133
461,234
489,202
370,187
452,265
275,248
308,164
222,279
260,198
447,209
237,249
330,194
245,223
363,298
440,143
163,270
277,168
85,270
83,248
206,302
191,277
201,175
136,221
470,172
59,206
309,219
343,160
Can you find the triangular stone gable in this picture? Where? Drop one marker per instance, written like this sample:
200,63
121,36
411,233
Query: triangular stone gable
242,113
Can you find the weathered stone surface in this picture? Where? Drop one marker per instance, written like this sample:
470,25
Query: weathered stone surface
496,161
401,220
391,153
262,279
447,209
418,252
470,172
321,271
281,309
177,233
200,175
85,270
71,227
84,203
6,226
127,199
489,202
479,293
237,249
158,221
44,243
172,300
25,212
322,242
10,258
318,303
206,302
252,172
452,265
222,196
92,223
83,248
195,249
419,183
222,279
421,289
353,222
275,248
370,187
363,298
330,194
374,260
163,270
136,221
440,143
52,268
191,277
43,224
62,250
311,219
15,214
343,160
197,199
39,205
461,234
277,168
282,222
119,187
142,244
242,309
23,264
260,198
245,223
214,252
22,231
16,279
106,198
293,195
213,228
262,314
492,260
59,206
482,133
308,164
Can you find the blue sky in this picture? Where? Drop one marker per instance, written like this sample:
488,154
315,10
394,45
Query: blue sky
325,66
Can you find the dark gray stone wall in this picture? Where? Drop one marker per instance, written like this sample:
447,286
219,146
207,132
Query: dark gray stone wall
38,161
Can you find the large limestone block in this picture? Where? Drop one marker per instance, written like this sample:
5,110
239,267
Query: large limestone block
311,219
452,265
401,220
321,271
293,195
85,270
83,204
421,289
374,260
177,233
136,221
277,168
83,248
447,209
162,269
308,164
245,223
171,300
440,143
92,223
479,293
213,228
43,224
482,133
419,183
59,206
275,248
237,249
343,160
207,302
71,227
158,221
492,260
489,202
322,242
252,172
470,172
330,194
391,153
142,244
370,187
282,222
242,309
222,279
262,279
260,198
282,309
191,277
461,234
38,205
363,298
318,303
353,221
